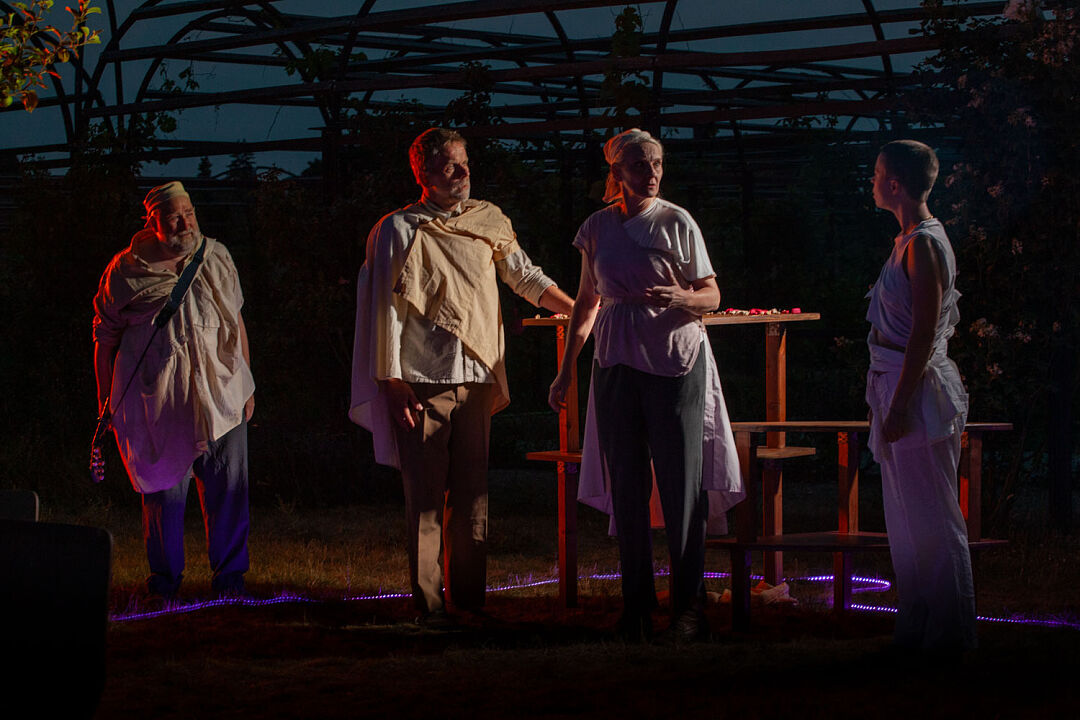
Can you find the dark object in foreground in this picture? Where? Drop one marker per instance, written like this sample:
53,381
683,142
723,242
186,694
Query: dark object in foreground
54,590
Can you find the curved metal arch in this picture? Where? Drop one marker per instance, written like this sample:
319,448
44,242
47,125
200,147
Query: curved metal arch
563,38
116,35
226,12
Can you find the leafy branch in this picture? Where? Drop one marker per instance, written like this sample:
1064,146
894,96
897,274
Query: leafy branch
30,49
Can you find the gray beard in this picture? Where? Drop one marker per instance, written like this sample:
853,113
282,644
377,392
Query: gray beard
182,243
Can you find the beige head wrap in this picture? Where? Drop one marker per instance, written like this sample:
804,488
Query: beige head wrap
613,150
161,193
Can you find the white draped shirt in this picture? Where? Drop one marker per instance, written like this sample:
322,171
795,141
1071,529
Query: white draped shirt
939,405
193,382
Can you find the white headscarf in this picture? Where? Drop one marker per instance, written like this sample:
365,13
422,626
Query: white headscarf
613,151
161,193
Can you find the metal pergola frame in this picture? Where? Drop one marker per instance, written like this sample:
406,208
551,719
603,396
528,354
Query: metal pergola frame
730,103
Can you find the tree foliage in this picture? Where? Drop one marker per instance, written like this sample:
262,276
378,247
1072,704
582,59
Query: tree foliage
30,49
1007,88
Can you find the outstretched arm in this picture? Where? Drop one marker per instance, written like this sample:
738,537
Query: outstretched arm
582,317
556,301
924,271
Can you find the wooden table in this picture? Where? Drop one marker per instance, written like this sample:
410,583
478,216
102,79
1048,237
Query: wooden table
567,457
847,538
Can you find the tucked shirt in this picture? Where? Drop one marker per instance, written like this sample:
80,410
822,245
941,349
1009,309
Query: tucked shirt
394,339
660,246
938,407
193,382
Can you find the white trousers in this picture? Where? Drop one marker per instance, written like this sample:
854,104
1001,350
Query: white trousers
929,546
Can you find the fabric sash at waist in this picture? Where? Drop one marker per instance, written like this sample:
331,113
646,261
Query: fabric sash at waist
628,300
885,359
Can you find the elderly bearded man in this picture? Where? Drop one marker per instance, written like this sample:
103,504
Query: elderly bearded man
189,400
428,366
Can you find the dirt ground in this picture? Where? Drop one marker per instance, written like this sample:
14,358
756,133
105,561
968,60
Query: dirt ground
529,658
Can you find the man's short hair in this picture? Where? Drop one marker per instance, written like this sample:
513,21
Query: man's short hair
427,146
914,164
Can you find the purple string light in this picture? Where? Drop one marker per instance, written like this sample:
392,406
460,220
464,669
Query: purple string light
866,584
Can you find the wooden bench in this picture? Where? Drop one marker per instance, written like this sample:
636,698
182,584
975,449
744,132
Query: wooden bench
567,472
846,539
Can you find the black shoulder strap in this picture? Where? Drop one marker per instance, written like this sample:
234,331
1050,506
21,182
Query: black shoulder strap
180,289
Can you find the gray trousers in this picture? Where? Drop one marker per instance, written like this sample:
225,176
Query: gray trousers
221,474
642,417
444,462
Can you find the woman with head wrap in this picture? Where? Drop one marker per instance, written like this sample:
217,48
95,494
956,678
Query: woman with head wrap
655,405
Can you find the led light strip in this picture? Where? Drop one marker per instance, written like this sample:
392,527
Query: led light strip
868,584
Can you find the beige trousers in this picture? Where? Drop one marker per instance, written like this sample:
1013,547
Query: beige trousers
444,462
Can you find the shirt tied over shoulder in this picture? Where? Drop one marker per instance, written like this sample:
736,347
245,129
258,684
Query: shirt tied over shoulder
427,306
449,277
193,382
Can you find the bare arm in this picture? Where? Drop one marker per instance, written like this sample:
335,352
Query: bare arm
701,297
104,361
582,317
556,300
924,271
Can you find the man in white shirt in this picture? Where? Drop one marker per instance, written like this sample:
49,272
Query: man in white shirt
428,360
180,409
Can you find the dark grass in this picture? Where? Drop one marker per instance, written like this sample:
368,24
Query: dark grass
531,658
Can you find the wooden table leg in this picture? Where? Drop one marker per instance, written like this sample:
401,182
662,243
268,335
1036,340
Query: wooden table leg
772,518
969,481
745,532
773,475
569,440
848,520
842,571
568,565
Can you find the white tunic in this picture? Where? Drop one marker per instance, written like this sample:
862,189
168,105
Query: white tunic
939,406
626,257
927,531
192,385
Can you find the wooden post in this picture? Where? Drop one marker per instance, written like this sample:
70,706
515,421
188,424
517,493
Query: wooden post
773,474
969,482
569,440
568,487
775,379
848,520
744,533
772,517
